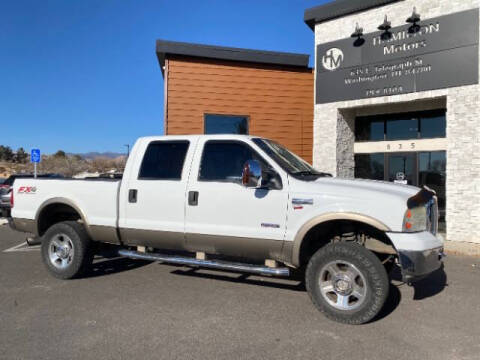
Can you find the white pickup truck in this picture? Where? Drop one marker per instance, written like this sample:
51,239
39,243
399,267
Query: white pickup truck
244,198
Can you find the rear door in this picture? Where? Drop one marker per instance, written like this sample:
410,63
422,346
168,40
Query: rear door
223,216
154,198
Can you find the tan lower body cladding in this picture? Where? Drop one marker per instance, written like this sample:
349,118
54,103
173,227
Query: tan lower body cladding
211,244
24,225
241,247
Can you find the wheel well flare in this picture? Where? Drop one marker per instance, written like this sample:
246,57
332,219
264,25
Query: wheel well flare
316,234
53,213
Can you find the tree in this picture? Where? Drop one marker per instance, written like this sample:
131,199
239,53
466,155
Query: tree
6,153
73,165
60,154
120,163
21,156
102,164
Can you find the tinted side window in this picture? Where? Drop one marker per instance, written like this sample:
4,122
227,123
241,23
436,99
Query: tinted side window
164,160
223,161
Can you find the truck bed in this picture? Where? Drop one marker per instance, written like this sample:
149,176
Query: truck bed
98,198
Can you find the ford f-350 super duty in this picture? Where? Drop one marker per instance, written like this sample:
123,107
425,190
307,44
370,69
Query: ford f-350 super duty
244,198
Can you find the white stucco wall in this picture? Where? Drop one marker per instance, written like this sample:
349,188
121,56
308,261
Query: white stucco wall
334,122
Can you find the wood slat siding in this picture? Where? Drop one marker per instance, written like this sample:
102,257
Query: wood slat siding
277,100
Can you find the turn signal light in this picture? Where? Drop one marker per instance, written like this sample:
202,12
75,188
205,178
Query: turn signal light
11,199
415,219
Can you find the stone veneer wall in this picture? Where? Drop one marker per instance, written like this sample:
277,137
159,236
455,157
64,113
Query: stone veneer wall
334,122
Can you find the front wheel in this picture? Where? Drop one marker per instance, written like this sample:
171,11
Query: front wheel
66,250
347,282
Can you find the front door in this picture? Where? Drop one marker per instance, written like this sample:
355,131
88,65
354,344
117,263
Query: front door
402,168
223,216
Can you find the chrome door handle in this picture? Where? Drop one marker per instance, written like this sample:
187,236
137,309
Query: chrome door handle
193,198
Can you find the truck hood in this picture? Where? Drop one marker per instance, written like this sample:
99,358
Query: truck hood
362,187
383,201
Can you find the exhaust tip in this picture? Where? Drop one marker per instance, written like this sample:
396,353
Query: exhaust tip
32,241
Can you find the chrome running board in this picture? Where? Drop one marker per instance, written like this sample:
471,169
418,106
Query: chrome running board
211,264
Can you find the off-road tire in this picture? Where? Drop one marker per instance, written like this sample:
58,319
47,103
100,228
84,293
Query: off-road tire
376,278
82,249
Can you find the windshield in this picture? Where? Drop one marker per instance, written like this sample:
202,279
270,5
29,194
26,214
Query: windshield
287,160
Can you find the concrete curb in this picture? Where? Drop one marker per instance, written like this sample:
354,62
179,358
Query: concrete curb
462,248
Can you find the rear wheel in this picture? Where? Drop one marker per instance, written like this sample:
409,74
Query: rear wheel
66,250
347,282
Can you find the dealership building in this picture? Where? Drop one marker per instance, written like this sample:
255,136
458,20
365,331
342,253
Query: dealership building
394,96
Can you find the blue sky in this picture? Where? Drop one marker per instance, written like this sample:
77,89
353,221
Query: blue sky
83,75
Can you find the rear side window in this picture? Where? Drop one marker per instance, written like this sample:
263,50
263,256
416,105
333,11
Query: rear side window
164,160
224,160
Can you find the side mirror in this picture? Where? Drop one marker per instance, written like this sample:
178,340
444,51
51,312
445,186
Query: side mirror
252,174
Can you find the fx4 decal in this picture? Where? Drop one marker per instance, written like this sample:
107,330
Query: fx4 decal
27,190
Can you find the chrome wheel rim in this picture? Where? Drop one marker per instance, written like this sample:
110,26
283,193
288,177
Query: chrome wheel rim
61,251
342,285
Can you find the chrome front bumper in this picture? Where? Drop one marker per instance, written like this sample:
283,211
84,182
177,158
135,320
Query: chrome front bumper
419,254
416,265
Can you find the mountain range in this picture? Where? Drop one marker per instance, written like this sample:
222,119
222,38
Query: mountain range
93,155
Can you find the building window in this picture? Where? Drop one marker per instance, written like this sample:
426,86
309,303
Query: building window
402,129
370,166
163,160
402,167
433,125
370,129
226,124
418,125
432,169
417,168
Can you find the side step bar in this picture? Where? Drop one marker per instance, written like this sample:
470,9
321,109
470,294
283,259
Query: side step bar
211,264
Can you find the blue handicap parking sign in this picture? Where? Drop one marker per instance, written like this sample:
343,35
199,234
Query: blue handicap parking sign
35,156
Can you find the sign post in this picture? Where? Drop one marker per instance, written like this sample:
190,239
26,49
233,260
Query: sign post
35,158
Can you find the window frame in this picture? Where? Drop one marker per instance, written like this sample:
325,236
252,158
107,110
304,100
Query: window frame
163,142
247,118
199,179
417,115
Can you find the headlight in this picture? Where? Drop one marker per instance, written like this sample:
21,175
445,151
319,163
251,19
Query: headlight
415,219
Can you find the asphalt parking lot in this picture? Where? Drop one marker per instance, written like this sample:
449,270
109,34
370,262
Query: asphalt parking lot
125,309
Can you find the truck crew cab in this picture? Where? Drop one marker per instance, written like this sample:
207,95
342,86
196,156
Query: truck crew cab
240,197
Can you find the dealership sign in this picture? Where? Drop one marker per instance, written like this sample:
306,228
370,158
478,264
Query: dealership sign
440,53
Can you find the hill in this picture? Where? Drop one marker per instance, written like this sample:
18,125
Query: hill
93,155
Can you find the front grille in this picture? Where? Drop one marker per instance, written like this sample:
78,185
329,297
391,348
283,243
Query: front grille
432,215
